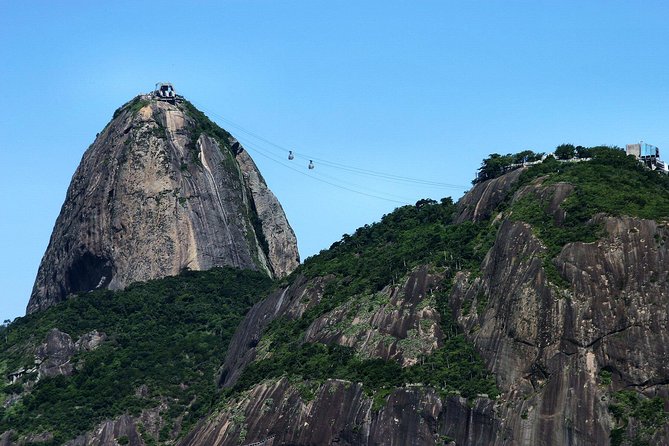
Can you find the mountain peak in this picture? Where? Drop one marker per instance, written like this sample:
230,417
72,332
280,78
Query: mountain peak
162,189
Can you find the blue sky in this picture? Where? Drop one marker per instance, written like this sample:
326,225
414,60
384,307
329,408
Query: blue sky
418,89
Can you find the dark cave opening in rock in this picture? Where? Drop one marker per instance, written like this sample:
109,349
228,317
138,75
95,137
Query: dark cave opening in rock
89,272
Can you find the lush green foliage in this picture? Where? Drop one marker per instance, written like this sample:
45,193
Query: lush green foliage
569,151
168,334
379,254
610,183
373,257
205,125
646,414
496,164
565,151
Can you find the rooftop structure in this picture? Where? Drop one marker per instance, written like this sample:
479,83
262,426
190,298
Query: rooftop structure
165,92
642,150
648,155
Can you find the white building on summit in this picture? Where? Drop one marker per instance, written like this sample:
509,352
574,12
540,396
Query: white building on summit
164,91
648,155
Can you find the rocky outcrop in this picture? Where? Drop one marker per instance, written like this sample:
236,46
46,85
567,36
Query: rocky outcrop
281,249
54,355
6,438
549,347
550,196
131,430
290,302
561,355
109,432
480,202
340,413
139,430
90,341
397,323
155,194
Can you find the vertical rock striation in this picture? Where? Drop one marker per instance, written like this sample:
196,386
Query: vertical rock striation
160,190
551,348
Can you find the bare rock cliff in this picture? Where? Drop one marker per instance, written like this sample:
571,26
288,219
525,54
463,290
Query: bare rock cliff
161,189
563,355
340,413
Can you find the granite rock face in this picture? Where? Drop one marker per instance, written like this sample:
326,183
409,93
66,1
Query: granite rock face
340,413
480,202
52,358
127,429
398,323
550,346
290,302
159,191
55,354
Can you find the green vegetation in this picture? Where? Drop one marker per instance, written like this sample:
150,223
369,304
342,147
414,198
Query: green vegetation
134,106
137,104
605,377
637,418
363,263
168,334
496,164
611,183
172,334
380,254
565,151
205,125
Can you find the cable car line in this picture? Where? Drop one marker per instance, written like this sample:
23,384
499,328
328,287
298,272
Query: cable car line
292,155
350,185
325,181
312,174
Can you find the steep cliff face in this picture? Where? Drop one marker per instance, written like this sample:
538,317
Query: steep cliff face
479,203
160,190
564,356
340,413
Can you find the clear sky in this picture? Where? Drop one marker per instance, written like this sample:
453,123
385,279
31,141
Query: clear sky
418,89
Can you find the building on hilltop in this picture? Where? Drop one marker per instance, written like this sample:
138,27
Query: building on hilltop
164,91
648,155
